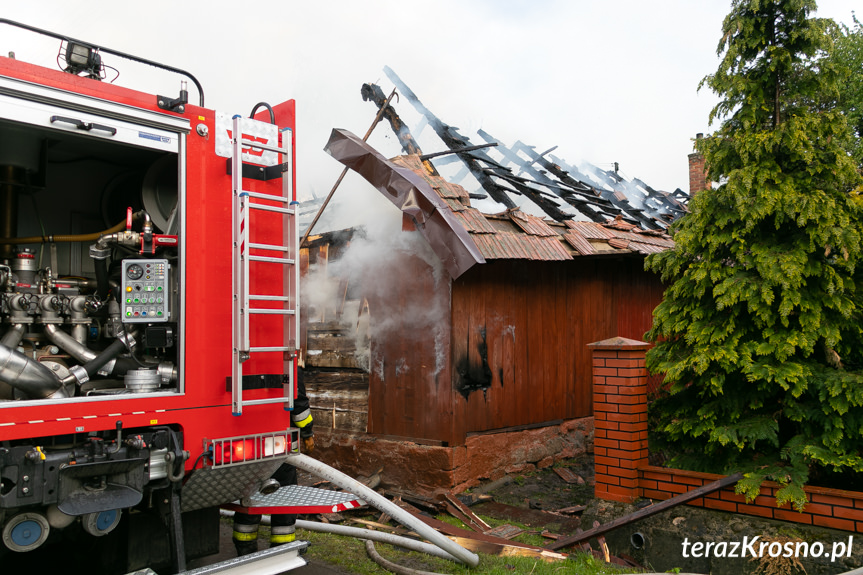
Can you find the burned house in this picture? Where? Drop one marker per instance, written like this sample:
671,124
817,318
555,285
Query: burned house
458,353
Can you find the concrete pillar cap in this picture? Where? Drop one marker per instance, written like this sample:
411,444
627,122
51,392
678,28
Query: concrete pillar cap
620,343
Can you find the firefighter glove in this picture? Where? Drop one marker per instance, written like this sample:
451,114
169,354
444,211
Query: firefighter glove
309,444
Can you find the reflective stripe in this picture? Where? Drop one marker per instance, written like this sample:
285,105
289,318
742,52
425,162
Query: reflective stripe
245,527
287,538
239,536
304,422
301,416
282,529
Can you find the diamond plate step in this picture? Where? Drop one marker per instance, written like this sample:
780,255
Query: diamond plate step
298,499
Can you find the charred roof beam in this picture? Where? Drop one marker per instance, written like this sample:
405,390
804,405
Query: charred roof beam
452,139
373,93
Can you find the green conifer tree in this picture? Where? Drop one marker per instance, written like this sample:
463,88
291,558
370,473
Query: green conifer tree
760,330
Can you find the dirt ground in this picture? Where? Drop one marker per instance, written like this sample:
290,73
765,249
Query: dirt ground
544,489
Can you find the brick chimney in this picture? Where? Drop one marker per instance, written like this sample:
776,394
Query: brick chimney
697,172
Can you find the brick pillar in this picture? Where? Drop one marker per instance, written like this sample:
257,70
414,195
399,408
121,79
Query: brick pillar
620,417
697,172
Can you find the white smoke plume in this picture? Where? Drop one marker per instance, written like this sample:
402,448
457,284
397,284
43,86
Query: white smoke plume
372,265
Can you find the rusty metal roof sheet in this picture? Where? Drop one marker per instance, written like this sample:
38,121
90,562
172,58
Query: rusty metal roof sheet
514,234
474,222
444,189
619,243
531,224
581,245
454,204
646,249
502,245
591,230
547,248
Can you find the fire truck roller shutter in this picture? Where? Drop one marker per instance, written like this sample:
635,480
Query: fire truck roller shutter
159,193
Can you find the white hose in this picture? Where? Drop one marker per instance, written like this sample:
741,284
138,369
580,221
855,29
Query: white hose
368,534
381,503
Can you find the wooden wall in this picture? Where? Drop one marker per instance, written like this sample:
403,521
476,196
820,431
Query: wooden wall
410,387
517,337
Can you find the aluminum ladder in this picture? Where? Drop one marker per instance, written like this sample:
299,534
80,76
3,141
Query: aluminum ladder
285,255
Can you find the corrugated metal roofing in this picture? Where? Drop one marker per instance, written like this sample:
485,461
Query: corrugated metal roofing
580,244
619,243
591,230
515,234
646,249
474,222
531,224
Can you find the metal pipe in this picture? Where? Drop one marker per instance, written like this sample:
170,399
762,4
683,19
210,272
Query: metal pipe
14,336
368,534
68,238
68,343
381,503
28,375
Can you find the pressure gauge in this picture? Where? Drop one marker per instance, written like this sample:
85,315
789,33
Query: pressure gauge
134,271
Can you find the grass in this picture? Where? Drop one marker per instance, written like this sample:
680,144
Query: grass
349,554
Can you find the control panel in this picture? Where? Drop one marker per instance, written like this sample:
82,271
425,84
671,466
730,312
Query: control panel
145,294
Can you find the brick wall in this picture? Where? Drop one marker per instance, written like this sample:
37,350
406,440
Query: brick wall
697,172
620,452
832,508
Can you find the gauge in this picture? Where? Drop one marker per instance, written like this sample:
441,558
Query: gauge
134,271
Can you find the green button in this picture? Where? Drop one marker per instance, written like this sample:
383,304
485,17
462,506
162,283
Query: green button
136,300
128,300
128,314
159,313
159,288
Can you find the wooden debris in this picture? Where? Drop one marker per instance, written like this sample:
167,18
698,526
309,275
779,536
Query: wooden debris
454,531
398,530
568,475
549,535
505,531
572,510
604,546
332,517
474,519
451,509
473,498
504,550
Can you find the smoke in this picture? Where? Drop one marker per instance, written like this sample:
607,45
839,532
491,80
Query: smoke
375,266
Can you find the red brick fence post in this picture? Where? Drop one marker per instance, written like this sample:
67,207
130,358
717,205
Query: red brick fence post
620,417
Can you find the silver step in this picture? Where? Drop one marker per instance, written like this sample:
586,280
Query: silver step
267,562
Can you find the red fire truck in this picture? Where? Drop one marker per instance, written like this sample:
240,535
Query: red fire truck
148,313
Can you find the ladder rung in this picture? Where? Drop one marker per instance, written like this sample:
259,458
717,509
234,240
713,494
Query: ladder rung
286,261
270,311
266,197
265,208
259,349
260,146
265,401
269,297
273,248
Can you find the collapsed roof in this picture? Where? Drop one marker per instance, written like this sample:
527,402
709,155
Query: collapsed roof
538,183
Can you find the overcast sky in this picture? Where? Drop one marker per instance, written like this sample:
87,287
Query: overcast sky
606,81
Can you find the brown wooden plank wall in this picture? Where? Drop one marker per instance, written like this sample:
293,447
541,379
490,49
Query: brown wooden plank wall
534,320
515,342
410,390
